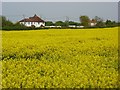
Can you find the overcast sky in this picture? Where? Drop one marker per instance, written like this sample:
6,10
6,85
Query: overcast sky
59,0
53,11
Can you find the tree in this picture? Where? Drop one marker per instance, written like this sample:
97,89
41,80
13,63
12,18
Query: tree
99,22
110,23
118,24
49,23
84,20
8,25
74,23
98,19
59,23
6,22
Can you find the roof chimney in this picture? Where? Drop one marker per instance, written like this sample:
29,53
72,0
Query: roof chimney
35,15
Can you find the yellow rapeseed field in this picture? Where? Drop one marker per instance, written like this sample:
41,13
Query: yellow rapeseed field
60,58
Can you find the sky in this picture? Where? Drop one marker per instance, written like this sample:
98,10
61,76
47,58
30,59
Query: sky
55,11
59,0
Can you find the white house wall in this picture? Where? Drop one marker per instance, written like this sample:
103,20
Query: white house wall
93,24
36,24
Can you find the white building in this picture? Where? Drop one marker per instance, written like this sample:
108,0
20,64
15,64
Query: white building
80,26
34,21
53,26
93,22
72,26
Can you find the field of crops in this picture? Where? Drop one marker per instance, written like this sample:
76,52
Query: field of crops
81,58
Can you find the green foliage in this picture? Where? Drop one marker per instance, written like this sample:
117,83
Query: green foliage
60,58
8,25
74,23
98,19
59,23
6,22
99,22
84,20
49,23
110,23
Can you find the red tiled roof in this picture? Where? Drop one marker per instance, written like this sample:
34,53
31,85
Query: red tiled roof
35,18
93,21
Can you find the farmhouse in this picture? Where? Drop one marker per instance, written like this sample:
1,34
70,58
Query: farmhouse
92,22
34,21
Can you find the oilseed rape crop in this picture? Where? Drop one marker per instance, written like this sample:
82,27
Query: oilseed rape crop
69,58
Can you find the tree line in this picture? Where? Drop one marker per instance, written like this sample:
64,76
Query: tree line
9,25
61,23
99,22
84,21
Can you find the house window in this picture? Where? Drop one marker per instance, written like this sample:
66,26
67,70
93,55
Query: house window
28,22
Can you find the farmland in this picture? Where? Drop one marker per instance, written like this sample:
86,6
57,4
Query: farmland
81,58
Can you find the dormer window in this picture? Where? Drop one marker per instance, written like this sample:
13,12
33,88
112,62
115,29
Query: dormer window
28,22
